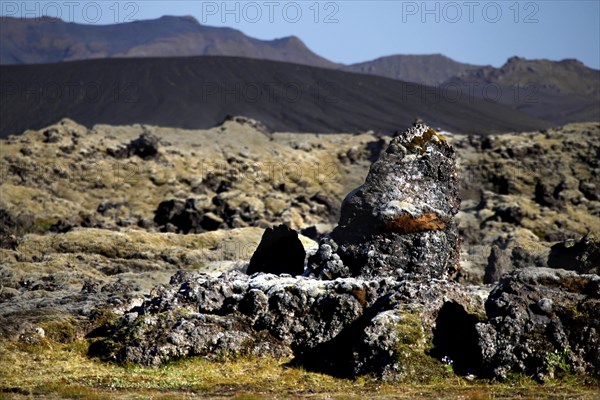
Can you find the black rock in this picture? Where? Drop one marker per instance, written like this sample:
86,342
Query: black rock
280,252
183,217
211,222
52,136
310,232
13,227
542,322
582,256
544,195
145,146
8,225
167,210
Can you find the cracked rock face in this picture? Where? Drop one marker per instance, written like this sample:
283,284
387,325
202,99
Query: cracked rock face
345,327
541,322
401,219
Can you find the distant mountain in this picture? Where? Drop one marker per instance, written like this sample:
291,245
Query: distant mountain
199,92
49,40
431,69
557,91
561,77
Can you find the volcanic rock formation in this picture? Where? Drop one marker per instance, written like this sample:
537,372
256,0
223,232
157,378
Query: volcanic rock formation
383,303
542,322
396,233
401,219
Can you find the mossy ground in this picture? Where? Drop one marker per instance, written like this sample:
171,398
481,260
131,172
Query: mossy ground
53,370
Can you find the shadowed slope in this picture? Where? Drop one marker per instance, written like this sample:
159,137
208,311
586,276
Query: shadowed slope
199,92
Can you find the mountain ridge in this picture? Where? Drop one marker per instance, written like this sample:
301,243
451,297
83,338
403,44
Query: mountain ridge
49,40
199,92
557,91
427,69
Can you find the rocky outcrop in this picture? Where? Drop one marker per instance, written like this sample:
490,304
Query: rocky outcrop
542,322
544,182
345,327
378,306
85,271
146,147
401,219
376,298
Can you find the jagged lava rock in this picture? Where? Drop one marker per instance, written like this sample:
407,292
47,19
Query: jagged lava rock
347,326
542,320
401,219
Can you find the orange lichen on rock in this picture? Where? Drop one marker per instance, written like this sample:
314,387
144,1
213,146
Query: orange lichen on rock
360,295
428,136
406,223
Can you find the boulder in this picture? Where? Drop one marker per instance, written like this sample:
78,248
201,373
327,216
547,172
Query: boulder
146,146
582,256
185,217
280,252
401,219
8,230
542,322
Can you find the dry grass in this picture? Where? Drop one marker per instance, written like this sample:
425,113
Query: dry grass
53,370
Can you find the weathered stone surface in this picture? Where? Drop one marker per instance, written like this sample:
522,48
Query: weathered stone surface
542,322
280,251
401,219
346,326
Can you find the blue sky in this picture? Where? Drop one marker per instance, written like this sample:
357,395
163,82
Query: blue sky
349,31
